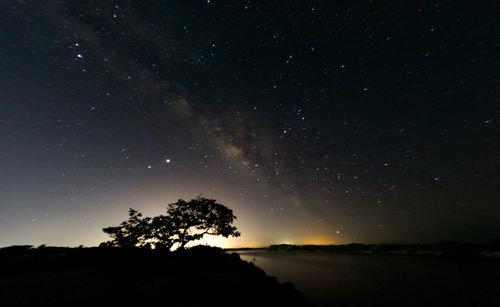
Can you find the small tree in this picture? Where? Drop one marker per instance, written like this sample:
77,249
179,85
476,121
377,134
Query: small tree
130,233
185,222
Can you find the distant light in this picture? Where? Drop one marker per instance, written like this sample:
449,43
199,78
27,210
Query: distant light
167,160
78,55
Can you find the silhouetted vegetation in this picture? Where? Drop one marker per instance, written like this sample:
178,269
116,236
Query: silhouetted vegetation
121,273
454,249
185,222
198,276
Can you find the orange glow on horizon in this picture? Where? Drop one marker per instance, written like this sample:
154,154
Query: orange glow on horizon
317,241
239,243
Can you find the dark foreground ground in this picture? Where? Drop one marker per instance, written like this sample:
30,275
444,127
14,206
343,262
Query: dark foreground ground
201,276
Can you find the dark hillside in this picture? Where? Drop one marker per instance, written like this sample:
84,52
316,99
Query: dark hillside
200,276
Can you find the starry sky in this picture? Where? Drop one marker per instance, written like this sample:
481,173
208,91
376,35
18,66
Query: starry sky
315,121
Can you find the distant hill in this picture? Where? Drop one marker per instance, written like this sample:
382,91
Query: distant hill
446,249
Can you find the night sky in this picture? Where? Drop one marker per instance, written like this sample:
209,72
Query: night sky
315,121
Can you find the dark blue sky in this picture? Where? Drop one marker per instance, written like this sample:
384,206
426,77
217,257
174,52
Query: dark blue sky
316,122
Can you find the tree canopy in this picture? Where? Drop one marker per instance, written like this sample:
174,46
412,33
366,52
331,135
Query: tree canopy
130,233
185,221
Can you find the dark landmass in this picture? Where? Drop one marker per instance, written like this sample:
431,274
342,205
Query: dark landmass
443,249
199,276
245,249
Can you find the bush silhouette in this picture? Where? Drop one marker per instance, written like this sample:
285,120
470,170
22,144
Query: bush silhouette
184,222
130,233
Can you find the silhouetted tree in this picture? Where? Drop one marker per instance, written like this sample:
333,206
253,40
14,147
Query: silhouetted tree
131,233
162,231
184,222
200,216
